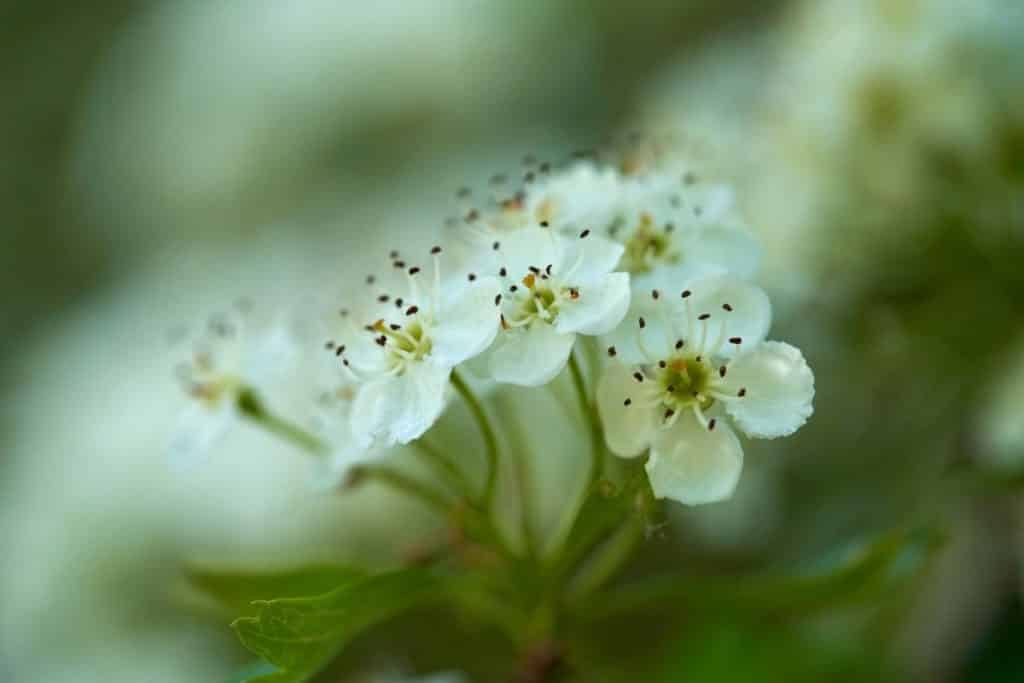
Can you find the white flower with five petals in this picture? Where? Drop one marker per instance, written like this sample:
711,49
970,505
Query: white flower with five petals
228,358
684,380
554,288
404,349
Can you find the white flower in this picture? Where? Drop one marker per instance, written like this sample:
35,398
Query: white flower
228,358
333,424
403,351
554,288
705,365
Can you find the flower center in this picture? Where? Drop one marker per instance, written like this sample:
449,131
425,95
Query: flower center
403,343
648,247
686,381
538,298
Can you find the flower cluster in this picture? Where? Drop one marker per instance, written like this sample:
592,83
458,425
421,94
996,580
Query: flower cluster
650,264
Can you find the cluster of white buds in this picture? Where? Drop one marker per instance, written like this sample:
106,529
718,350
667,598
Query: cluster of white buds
653,266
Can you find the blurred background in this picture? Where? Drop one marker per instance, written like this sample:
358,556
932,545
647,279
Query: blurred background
161,159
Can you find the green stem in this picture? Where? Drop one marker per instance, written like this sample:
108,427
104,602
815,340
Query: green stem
487,431
447,469
402,483
590,414
252,408
610,558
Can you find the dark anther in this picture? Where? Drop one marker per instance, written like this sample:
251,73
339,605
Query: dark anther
703,316
742,392
727,307
711,424
584,233
412,310
735,340
686,293
721,371
638,377
414,270
435,250
627,402
642,323
497,300
679,344
496,246
612,351
383,298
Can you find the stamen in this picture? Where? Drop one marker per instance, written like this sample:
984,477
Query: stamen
394,327
497,300
722,371
642,322
679,344
584,234
736,340
370,279
399,302
503,272
628,402
471,277
686,294
638,376
544,224
381,340
472,215
655,294
435,250
711,424
412,310
703,316
662,364
513,288
399,264
669,413
742,392
727,307
414,270
612,351
496,246
383,298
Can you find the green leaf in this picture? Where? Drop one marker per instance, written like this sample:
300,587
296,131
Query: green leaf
236,590
300,636
881,564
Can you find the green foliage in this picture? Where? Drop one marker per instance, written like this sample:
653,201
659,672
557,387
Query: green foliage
300,636
237,589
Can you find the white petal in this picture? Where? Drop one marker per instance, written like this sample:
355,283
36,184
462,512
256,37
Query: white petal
627,429
599,308
749,319
587,260
584,196
200,427
693,465
656,335
401,408
519,250
734,250
466,326
779,390
530,356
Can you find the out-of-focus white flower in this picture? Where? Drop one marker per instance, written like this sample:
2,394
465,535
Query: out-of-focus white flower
228,358
404,349
555,287
707,359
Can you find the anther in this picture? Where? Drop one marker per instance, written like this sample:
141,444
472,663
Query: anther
544,224
584,234
471,277
343,312
381,340
435,250
329,345
340,350
711,424
721,371
394,327
414,270
642,323
612,351
703,316
383,298
399,302
503,272
686,293
628,402
742,392
655,294
513,288
399,264
412,310
370,279
679,344
393,254
662,364
669,227
727,307
735,340
472,215
574,293
547,269
496,246
497,300
669,413
638,377
535,270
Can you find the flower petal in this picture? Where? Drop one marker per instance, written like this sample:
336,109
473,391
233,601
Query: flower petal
530,356
627,429
599,308
587,260
694,465
468,325
738,310
520,249
200,427
399,409
735,250
779,390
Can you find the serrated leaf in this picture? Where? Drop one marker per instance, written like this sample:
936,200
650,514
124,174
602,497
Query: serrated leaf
896,555
300,636
236,589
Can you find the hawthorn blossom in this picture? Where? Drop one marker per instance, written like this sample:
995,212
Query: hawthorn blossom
228,358
553,288
402,352
706,366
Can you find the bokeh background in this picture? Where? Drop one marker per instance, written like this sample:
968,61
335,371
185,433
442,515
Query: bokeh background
159,160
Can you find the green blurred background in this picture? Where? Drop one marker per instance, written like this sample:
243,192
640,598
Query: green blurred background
161,159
